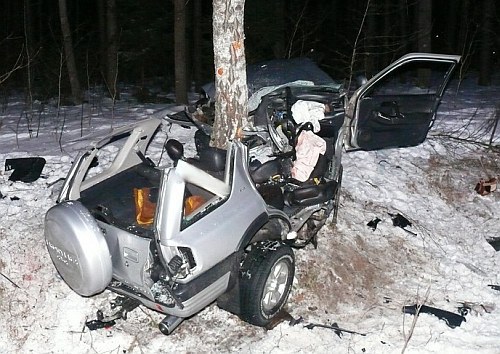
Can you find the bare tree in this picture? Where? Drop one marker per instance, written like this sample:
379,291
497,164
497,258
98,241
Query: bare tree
112,49
424,25
279,48
231,101
424,28
28,39
180,51
487,34
101,15
197,42
76,92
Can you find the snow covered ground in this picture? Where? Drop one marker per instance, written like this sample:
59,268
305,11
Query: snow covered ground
358,278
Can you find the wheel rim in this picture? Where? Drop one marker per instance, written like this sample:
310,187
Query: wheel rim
276,286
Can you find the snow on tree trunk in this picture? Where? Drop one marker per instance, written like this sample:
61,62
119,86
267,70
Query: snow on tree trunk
231,98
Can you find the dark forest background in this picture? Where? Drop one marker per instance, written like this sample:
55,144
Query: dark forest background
132,42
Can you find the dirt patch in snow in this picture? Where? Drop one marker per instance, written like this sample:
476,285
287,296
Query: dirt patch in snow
342,269
446,176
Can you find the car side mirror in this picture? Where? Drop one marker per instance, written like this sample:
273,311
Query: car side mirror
175,150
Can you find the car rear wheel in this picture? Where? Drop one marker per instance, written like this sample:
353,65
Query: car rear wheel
266,281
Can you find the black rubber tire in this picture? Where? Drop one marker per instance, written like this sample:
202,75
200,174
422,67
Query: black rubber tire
265,257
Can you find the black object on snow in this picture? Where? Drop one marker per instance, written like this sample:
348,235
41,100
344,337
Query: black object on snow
495,244
338,330
26,169
373,223
282,316
120,306
452,319
97,324
399,220
494,287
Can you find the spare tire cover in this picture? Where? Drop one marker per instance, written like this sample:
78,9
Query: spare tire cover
78,248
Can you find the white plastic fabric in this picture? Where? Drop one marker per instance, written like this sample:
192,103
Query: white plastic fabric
309,147
308,111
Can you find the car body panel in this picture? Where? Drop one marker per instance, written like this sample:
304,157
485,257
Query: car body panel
137,136
397,107
130,257
219,225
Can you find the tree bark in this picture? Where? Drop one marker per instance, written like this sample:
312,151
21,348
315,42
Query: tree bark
112,50
231,97
403,26
180,51
370,47
465,32
451,33
424,19
279,48
424,27
485,55
197,44
76,92
101,15
28,40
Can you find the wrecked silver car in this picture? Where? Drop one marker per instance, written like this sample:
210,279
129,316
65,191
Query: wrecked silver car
221,226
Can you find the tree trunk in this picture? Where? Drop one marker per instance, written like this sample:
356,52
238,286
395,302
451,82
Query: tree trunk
28,40
451,33
279,48
76,92
103,45
370,53
424,25
231,97
466,30
112,50
485,55
180,51
403,29
197,44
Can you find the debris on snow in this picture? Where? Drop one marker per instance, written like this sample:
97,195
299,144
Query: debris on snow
373,223
452,319
399,220
485,187
26,169
338,330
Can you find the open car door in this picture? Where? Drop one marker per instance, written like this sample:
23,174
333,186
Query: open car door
397,107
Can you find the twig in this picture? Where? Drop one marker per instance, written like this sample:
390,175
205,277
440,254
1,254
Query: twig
353,57
62,130
296,27
415,318
6,277
497,117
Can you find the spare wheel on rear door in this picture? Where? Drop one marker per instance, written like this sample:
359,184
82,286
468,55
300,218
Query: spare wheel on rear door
78,248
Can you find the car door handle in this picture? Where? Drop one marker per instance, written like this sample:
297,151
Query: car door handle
393,119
